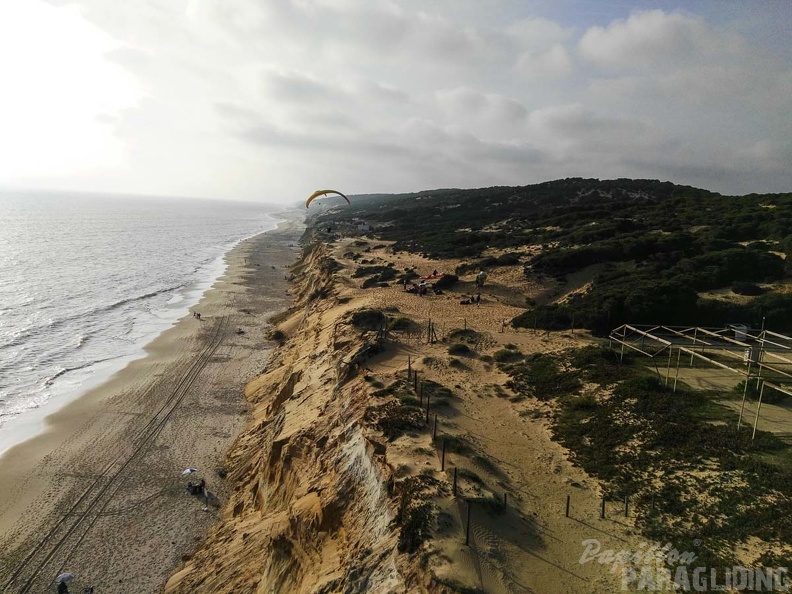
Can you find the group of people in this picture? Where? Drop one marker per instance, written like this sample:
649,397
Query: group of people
196,315
199,488
421,288
471,300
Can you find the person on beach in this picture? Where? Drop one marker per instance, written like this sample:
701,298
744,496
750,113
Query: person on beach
205,493
63,588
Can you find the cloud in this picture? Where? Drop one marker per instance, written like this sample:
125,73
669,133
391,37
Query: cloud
462,103
645,39
538,34
553,63
209,97
572,129
295,87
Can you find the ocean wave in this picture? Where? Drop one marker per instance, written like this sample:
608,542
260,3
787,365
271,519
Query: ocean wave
60,373
24,335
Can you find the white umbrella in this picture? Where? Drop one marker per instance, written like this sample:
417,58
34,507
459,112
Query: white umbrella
187,471
64,577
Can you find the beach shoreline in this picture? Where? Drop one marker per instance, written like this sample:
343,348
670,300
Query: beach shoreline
100,491
34,421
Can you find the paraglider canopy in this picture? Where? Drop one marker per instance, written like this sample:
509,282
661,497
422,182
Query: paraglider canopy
322,193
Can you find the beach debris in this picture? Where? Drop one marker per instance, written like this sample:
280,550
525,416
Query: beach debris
187,471
64,578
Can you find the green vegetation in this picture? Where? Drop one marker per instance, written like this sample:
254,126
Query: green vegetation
541,377
396,418
746,288
461,350
656,245
446,282
400,323
368,319
643,440
375,274
416,511
507,356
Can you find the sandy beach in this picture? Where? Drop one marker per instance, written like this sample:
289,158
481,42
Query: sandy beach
100,492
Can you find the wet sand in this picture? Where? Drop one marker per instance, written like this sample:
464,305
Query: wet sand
100,492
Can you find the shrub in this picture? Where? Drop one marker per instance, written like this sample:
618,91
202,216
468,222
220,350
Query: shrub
395,418
278,336
587,402
457,364
746,288
507,356
400,323
446,282
510,259
460,350
417,520
368,319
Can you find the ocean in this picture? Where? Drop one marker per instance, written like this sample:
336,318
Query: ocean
87,280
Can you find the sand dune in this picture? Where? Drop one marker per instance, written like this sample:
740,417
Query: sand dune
322,499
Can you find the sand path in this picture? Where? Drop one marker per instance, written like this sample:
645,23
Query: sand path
532,546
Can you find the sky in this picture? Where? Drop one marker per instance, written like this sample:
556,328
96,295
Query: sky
270,100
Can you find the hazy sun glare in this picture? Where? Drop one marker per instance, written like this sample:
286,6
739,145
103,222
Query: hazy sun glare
59,93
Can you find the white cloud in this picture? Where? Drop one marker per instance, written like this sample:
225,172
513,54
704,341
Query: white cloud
553,63
646,39
252,97
538,34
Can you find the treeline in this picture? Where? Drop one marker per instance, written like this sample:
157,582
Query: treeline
645,300
660,244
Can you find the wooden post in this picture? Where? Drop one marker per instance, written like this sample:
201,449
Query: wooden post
573,322
465,322
427,408
429,332
602,508
420,393
676,377
434,431
409,368
454,489
695,333
415,380
442,457
668,367
504,500
745,393
758,407
467,528
626,505
567,507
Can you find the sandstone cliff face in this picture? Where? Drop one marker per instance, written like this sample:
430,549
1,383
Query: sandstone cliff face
310,509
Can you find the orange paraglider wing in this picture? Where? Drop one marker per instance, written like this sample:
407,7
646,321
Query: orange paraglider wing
322,193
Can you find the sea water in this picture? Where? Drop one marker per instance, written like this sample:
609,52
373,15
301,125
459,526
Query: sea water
87,280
